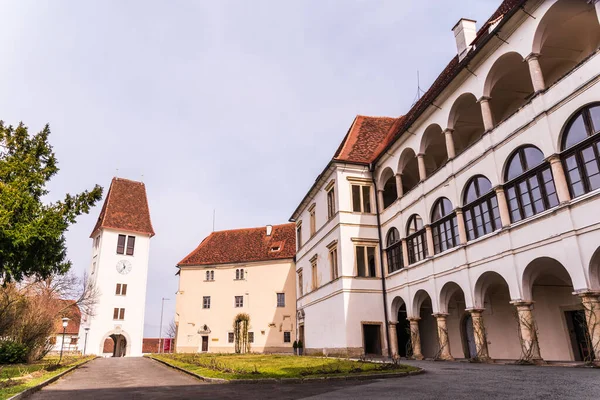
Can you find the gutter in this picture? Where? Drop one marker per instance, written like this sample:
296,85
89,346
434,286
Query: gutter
383,285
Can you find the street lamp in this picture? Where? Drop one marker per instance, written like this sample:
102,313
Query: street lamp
65,322
161,347
85,343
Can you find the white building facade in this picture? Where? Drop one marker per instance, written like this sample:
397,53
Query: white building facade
470,227
119,270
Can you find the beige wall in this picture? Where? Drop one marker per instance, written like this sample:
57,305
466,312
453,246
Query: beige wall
262,282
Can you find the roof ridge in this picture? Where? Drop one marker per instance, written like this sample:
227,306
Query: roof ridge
251,228
118,178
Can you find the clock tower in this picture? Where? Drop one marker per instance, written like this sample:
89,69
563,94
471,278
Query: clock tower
119,271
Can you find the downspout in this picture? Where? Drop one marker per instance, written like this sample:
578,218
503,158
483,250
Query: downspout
383,286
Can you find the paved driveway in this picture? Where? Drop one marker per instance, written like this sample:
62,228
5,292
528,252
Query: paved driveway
139,378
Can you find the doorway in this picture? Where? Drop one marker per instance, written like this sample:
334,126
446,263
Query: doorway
372,339
301,334
119,345
204,343
468,334
403,333
577,325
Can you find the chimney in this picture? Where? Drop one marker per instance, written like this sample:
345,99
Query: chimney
465,32
269,230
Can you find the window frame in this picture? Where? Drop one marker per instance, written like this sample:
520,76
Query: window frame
121,243
313,219
280,295
121,289
230,337
331,203
300,277
362,197
130,247
470,210
366,247
287,339
206,302
393,252
445,229
118,314
299,235
420,236
333,262
240,303
314,270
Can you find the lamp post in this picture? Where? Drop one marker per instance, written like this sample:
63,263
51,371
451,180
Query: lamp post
85,342
161,346
65,322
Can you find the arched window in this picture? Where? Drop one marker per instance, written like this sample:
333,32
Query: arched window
482,215
415,240
395,260
444,226
530,185
581,146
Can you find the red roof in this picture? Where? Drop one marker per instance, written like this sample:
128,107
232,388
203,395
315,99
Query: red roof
363,138
74,315
125,208
244,245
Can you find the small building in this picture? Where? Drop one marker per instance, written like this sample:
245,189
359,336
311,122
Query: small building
71,333
249,271
157,345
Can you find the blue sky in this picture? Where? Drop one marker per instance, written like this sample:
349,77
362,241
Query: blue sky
229,105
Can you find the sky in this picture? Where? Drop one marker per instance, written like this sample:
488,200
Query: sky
231,106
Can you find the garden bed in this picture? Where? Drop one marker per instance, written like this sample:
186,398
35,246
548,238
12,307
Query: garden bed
280,367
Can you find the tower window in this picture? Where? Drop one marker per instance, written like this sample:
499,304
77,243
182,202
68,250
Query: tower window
121,289
130,245
121,244
119,314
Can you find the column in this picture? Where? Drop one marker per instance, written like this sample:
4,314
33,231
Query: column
429,237
502,206
399,189
450,143
380,199
415,338
530,348
560,180
462,230
422,170
591,304
486,113
444,340
535,70
405,252
479,334
393,338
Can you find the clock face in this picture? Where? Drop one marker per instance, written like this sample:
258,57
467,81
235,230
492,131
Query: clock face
123,267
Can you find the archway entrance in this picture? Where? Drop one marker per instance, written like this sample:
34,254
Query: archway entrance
403,333
427,324
119,345
468,337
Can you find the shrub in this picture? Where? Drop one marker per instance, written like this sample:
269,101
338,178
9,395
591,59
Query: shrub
12,352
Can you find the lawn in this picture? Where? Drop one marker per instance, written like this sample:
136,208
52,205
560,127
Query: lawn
261,366
19,377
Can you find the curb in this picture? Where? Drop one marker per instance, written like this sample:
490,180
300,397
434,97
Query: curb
28,392
293,380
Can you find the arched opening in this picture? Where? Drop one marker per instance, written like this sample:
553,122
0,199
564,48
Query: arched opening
452,302
547,283
508,85
395,259
444,226
530,185
480,208
427,324
388,183
580,144
466,121
595,270
567,34
415,239
433,148
501,325
116,344
408,167
402,328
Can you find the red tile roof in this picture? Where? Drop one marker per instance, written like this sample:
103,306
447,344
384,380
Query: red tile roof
125,208
363,138
244,245
74,315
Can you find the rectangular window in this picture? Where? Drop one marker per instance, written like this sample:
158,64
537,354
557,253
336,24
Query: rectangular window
206,302
121,289
365,261
330,203
119,314
210,275
280,299
239,301
313,271
300,284
333,263
230,337
239,274
287,337
250,337
313,221
361,198
121,244
299,236
130,245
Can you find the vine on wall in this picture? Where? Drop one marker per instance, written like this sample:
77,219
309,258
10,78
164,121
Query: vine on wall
241,323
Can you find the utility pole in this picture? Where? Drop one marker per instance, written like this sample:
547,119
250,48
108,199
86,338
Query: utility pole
161,346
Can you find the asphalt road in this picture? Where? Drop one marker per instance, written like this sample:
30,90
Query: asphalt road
139,378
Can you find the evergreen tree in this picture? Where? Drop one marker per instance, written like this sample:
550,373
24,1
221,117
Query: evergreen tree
32,242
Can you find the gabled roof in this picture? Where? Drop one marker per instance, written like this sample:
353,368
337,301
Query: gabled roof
244,245
125,208
363,138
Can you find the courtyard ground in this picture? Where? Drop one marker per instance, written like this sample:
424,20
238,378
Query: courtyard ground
137,378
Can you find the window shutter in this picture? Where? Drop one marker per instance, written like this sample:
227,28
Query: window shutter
116,313
130,245
118,291
121,244
122,314
124,289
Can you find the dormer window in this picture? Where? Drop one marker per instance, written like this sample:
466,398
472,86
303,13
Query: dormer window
275,248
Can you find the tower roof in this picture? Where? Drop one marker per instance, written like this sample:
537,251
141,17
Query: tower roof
125,208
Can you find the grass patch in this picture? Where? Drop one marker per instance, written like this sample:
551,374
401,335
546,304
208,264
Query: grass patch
19,377
262,366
